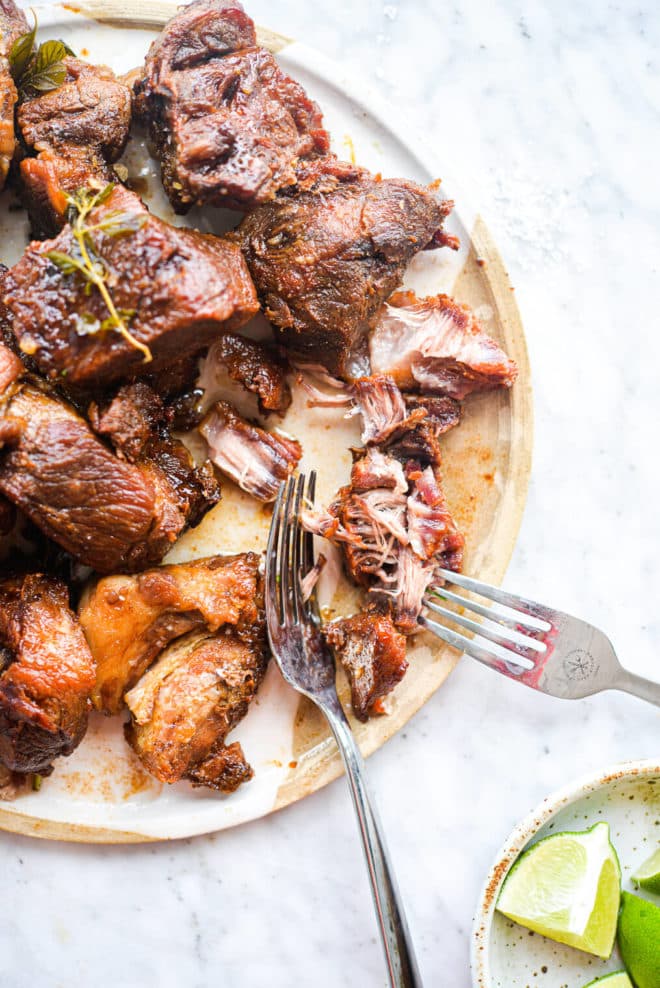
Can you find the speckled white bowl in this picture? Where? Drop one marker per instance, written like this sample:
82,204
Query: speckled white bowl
504,955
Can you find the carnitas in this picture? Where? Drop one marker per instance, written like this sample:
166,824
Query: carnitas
228,125
202,626
12,26
110,512
392,521
46,674
129,620
120,293
327,252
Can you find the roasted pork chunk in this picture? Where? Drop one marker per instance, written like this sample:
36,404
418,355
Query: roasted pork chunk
256,460
373,653
228,125
129,620
108,513
184,706
12,25
326,253
71,134
46,674
437,345
175,290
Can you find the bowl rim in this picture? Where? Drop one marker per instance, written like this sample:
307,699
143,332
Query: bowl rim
522,833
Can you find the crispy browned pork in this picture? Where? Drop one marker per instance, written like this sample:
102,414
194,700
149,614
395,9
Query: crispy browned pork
256,460
129,620
437,345
110,514
175,290
373,653
46,674
12,25
184,706
72,135
227,124
326,253
254,365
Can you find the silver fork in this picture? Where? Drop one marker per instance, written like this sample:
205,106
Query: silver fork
533,644
308,665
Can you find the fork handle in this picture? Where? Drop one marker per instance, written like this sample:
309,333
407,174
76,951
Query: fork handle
645,689
399,953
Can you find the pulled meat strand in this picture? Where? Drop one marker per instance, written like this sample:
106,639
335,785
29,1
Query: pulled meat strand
48,674
256,460
437,345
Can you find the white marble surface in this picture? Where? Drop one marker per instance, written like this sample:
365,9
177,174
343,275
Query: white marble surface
551,113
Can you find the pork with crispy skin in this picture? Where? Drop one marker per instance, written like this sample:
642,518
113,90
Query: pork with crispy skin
129,620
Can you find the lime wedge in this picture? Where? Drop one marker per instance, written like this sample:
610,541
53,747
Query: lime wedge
567,887
647,875
639,939
617,980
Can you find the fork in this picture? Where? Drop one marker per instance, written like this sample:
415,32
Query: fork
545,649
308,665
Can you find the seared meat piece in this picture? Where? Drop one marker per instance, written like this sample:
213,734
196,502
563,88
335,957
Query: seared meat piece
109,514
437,345
228,125
256,460
136,423
75,131
48,674
442,412
432,532
12,25
257,367
129,620
373,653
190,699
326,254
180,290
373,468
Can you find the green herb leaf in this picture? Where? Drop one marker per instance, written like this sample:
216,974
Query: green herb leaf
85,261
21,52
36,782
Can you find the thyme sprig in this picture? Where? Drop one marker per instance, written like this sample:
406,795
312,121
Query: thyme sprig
86,262
37,69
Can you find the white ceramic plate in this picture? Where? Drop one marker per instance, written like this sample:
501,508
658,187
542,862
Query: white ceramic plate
101,793
504,955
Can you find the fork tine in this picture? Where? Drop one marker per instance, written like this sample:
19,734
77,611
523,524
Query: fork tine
528,651
488,612
272,557
307,549
296,550
537,611
285,560
474,650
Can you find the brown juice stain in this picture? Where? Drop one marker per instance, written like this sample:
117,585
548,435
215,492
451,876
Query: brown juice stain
114,779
